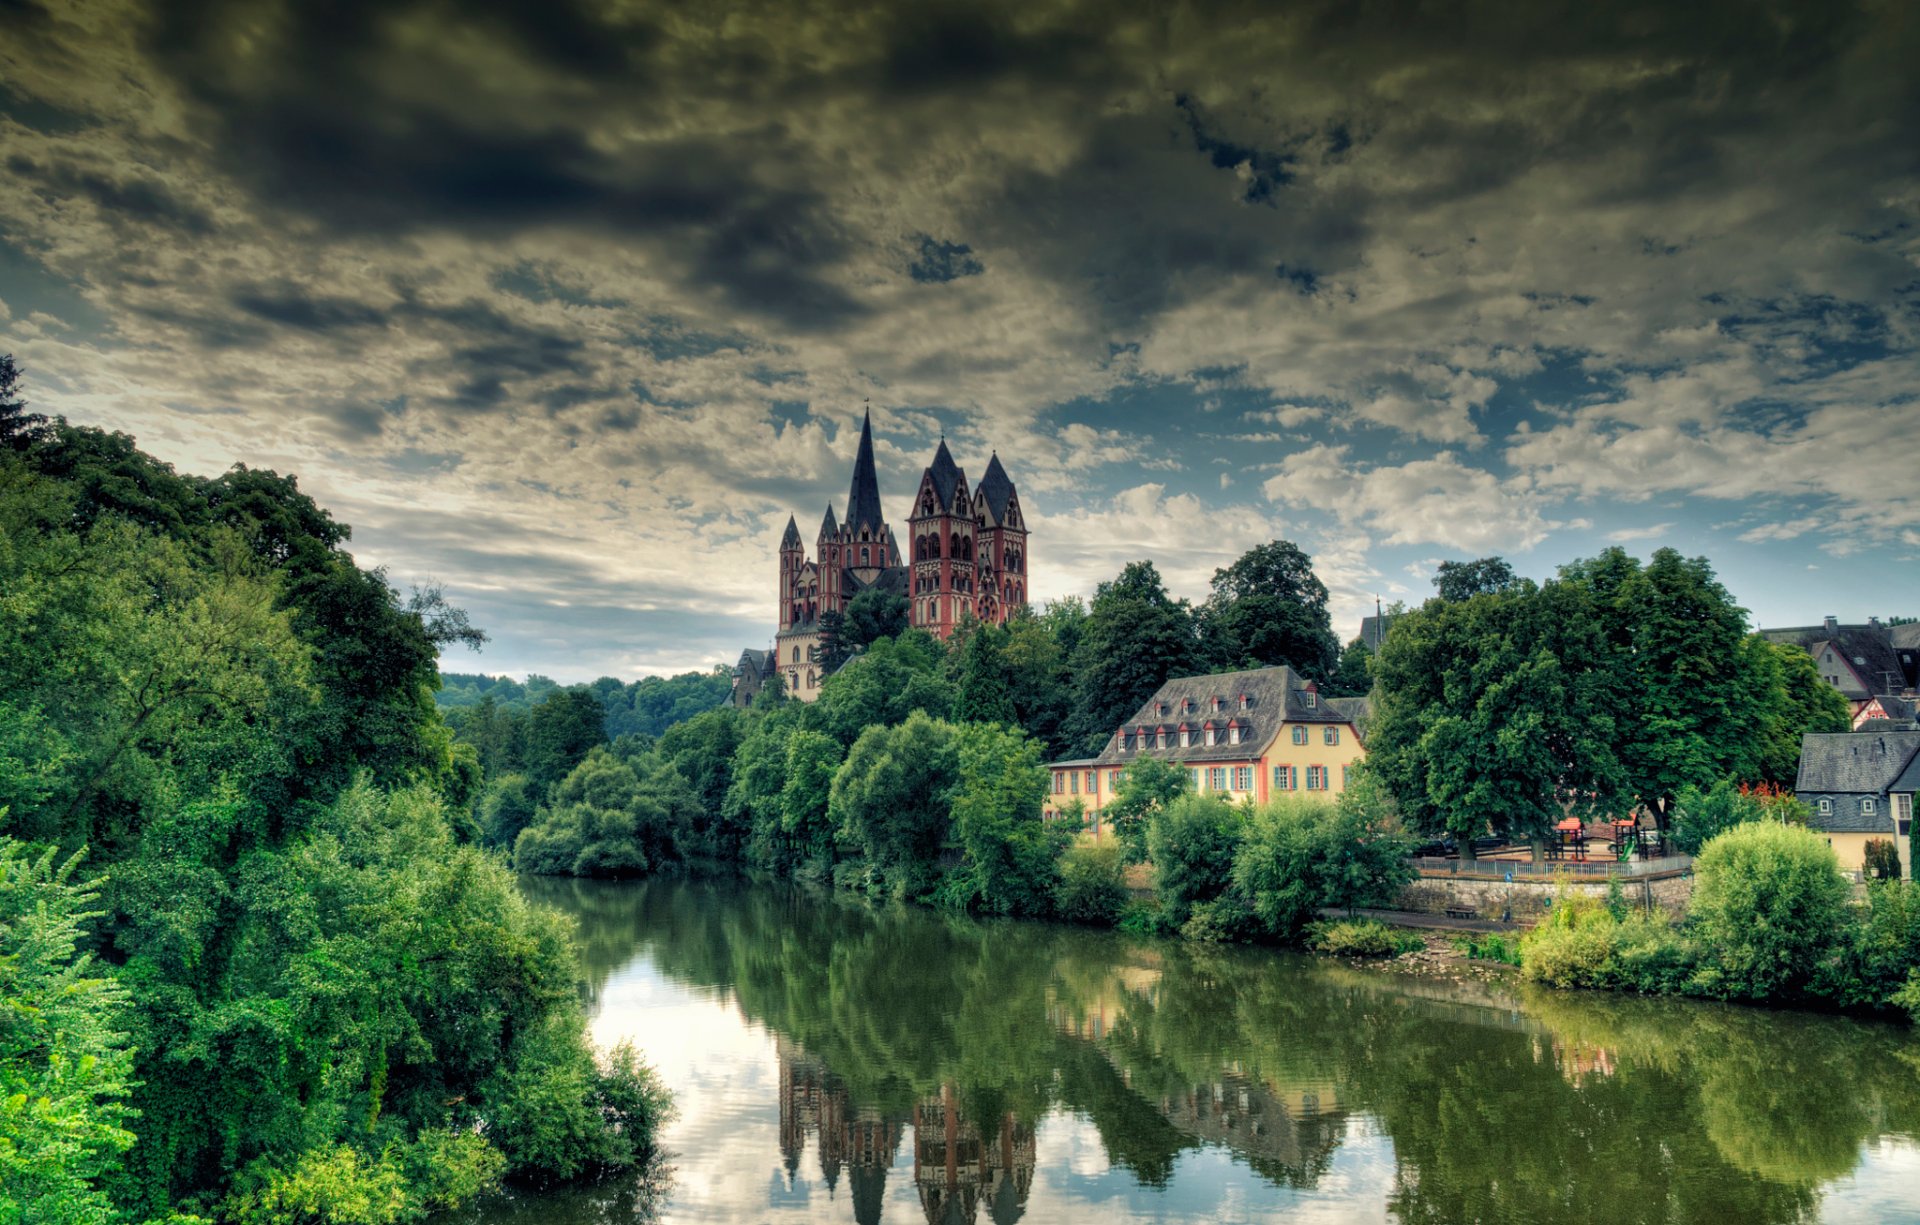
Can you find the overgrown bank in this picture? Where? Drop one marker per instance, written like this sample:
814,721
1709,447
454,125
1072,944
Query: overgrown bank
281,984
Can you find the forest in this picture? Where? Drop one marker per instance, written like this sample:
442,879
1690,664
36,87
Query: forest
255,966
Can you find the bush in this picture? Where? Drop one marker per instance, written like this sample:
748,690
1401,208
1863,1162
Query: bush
1361,938
1301,855
1491,947
1766,908
1583,944
1226,919
1192,843
1092,886
1876,953
1882,859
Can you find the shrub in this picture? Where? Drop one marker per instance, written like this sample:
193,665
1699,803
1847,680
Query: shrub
1876,952
1301,855
1362,938
1192,842
1882,859
1582,944
1491,947
1700,815
1092,886
1766,908
1225,919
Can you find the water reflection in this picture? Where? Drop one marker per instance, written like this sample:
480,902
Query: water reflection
948,1070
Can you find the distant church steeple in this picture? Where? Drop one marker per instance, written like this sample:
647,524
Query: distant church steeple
863,499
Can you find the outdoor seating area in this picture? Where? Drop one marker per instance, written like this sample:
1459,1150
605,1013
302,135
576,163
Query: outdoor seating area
1608,847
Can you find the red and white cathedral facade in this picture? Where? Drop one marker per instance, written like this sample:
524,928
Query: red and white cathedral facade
966,556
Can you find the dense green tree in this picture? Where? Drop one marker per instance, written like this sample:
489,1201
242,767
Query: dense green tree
561,730
1038,654
65,1065
892,801
754,800
1462,580
615,814
1147,785
1134,638
1009,854
813,758
1269,608
1192,841
509,804
872,614
19,429
1350,678
1768,900
1301,855
894,678
982,683
1497,713
1797,701
702,750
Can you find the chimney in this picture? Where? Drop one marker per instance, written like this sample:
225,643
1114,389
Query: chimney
1832,623
1874,622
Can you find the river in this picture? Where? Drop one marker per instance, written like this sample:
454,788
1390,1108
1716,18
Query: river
838,1063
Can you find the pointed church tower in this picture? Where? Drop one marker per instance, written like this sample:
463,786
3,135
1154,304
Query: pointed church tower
793,559
866,529
1003,545
942,530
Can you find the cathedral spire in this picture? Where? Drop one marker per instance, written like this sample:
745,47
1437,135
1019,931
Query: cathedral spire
791,539
863,500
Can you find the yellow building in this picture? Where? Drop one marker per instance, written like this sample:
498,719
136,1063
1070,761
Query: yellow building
1248,735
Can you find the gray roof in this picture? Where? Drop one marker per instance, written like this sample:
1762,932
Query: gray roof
863,498
894,578
1853,763
1373,630
1897,708
829,526
1868,650
1359,712
755,658
995,488
946,476
1846,814
1275,695
791,536
1909,780
1905,636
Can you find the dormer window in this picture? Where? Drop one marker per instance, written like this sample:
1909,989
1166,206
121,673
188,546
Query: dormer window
1826,808
1233,733
1219,704
1212,732
1309,698
1186,737
1246,701
1868,806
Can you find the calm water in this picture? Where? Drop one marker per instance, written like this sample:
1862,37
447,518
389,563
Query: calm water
837,1064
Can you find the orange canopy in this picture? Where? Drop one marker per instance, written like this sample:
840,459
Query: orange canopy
1570,824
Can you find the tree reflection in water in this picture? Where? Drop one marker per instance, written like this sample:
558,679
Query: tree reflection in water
899,1027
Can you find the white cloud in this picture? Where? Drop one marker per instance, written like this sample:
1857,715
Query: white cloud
1438,501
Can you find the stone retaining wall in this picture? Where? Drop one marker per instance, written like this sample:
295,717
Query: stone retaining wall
1527,899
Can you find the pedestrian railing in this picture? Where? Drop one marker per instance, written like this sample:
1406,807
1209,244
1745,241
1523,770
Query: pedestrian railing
1516,869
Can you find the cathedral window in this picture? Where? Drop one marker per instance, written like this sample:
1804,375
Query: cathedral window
865,558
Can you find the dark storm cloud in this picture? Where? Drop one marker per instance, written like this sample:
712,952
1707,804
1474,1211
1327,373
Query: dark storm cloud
292,307
939,262
130,197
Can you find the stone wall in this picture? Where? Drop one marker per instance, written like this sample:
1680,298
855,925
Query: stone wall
1527,899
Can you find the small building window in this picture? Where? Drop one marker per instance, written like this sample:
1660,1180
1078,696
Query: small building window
1113,780
1299,735
1093,782
1216,778
1826,808
1283,778
1073,781
1869,806
1316,778
1213,734
1310,697
1331,735
1243,778
1193,779
1233,734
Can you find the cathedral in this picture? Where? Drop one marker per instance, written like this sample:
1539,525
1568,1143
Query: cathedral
967,557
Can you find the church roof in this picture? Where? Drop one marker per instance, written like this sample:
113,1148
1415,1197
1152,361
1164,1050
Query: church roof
946,475
863,499
995,488
791,537
828,527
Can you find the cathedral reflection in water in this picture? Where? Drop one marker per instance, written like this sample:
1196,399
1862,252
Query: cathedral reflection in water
959,1165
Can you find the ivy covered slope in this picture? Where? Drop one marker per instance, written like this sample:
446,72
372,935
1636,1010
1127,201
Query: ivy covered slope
300,988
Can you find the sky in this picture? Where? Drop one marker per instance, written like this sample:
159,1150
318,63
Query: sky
566,306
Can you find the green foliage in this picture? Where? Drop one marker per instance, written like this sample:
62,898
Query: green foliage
561,730
1191,842
1699,816
64,1062
1269,608
1583,944
1766,904
1881,859
1301,855
1361,938
892,799
983,684
19,429
893,679
332,1185
1134,637
1490,947
1147,785
1351,677
613,815
1093,887
1876,952
1459,581
509,804
1009,854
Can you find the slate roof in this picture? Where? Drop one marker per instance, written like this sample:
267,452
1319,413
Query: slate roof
946,476
995,488
1906,637
1868,649
1898,709
829,526
1373,630
863,499
791,536
1359,712
1909,780
756,659
1278,696
896,579
1859,763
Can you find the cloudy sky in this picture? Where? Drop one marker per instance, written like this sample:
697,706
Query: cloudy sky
567,305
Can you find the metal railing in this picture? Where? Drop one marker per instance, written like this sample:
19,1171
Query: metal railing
1517,869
